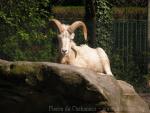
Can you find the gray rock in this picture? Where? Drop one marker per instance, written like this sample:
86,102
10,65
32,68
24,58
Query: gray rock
42,87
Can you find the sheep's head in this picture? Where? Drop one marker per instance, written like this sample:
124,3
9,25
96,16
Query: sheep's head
67,34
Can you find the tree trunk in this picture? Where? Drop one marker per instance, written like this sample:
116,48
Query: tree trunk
90,21
149,35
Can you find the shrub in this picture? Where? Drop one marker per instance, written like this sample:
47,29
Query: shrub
141,3
23,30
103,25
128,71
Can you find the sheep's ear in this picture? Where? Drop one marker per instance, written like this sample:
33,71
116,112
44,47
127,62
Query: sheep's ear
72,36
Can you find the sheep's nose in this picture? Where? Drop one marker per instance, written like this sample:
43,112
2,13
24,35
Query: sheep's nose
64,51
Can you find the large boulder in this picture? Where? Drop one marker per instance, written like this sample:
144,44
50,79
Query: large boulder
42,87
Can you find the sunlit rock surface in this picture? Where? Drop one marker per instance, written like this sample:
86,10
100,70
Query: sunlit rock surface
42,87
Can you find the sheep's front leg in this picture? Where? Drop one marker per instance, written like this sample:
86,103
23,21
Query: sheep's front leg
106,66
104,60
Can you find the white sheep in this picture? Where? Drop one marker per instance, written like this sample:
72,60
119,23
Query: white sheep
81,56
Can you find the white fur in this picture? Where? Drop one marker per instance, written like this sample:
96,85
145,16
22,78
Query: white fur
82,56
87,57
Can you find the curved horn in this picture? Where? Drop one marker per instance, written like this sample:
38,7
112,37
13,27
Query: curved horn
58,24
76,25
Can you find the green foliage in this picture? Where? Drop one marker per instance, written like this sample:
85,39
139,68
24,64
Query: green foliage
126,70
141,3
122,68
23,29
103,24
